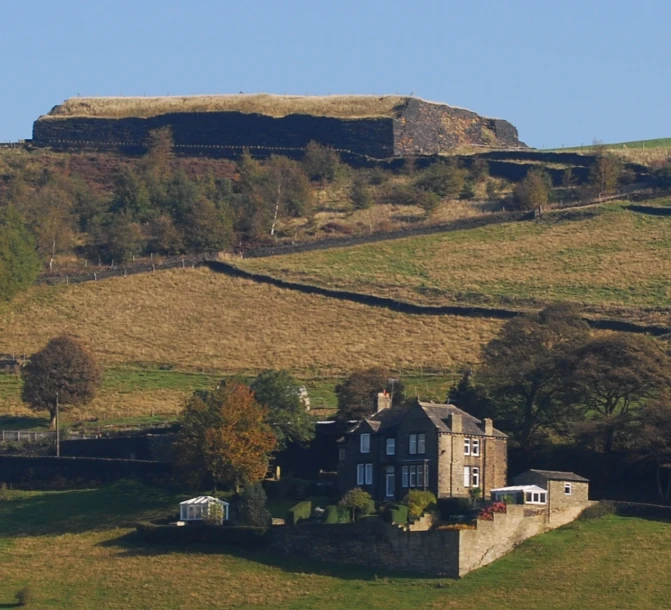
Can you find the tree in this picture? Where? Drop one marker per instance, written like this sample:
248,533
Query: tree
160,150
64,373
533,191
358,501
610,378
224,437
522,371
357,393
360,193
445,179
19,262
280,393
322,162
252,507
605,172
286,189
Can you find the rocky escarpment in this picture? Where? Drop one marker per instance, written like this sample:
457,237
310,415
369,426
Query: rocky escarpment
372,127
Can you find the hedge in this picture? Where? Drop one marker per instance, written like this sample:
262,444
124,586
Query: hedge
396,513
299,512
336,514
220,535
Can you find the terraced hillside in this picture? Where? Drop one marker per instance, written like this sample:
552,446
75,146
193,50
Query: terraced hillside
93,562
613,261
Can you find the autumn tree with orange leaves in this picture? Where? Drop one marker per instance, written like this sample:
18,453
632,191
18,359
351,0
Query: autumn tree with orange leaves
224,438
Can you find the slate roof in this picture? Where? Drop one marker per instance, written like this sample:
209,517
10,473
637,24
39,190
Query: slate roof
557,475
439,414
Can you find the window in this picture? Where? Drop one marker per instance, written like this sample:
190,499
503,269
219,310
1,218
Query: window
421,443
475,476
391,446
364,474
475,446
467,476
467,446
369,474
342,452
413,444
404,476
413,476
568,489
420,476
389,481
364,443
535,497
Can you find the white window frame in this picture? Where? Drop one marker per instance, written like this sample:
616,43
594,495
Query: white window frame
475,447
467,476
475,476
389,478
467,446
535,497
421,443
405,472
360,474
364,443
390,446
568,489
369,474
413,476
412,444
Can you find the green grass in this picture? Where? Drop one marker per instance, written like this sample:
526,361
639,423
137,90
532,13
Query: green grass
73,549
604,257
654,143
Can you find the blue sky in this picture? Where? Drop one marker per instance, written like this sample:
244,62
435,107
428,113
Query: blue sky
564,72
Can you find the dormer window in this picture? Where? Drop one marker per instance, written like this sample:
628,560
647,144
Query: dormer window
364,443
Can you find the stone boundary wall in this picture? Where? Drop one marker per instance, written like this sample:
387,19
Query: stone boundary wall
374,544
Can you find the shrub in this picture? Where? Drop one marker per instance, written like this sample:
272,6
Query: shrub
443,179
418,501
450,507
487,513
360,194
357,500
252,506
23,596
299,512
322,162
336,514
396,513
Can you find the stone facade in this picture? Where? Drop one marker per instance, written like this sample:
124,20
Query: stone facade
426,446
415,127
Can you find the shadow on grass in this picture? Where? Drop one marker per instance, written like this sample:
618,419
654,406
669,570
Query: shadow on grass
23,422
76,511
129,545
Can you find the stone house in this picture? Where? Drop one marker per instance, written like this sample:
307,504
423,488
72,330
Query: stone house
565,490
427,446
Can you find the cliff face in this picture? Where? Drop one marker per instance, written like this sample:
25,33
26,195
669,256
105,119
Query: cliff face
414,127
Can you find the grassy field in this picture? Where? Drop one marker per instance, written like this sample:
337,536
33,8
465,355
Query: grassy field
74,551
604,257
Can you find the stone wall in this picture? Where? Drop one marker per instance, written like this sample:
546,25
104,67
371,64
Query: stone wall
375,544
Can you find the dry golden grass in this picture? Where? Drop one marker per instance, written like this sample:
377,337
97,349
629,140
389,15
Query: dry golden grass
342,106
615,259
644,156
201,320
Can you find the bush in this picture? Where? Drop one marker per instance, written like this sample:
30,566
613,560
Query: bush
358,501
23,596
396,513
252,509
299,512
443,179
450,507
418,501
336,514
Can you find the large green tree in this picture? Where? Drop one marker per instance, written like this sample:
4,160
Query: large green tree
63,372
522,371
19,261
280,393
533,191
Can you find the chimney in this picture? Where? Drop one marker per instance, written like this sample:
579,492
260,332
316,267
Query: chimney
383,401
457,422
488,426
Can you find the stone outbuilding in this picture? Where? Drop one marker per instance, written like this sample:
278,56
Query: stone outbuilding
564,489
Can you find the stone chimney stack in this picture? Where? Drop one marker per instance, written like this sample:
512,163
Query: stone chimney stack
457,422
488,426
382,401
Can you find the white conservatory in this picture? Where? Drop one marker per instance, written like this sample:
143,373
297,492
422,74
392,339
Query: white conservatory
203,508
521,494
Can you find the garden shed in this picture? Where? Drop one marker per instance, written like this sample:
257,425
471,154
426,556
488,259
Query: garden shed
203,508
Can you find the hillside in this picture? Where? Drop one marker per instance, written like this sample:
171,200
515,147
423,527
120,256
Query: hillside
589,564
613,261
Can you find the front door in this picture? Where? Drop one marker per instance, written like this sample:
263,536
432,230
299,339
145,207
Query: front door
389,482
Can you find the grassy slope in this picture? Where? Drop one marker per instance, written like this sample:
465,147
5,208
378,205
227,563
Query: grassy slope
92,563
614,259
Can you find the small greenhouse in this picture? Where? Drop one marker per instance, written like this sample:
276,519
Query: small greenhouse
521,494
203,508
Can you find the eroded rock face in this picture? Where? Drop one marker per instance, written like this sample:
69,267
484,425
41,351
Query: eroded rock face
414,127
